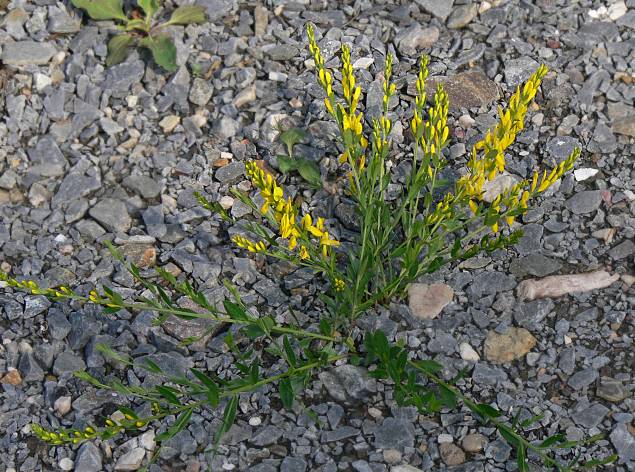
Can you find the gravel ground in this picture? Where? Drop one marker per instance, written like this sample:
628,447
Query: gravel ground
89,154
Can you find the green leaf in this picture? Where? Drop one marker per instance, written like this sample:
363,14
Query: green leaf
102,9
509,436
291,358
291,137
118,48
310,172
163,51
325,327
149,7
213,392
151,366
229,414
596,462
235,311
187,15
286,393
137,24
487,411
551,440
112,354
448,397
429,366
179,425
169,394
286,164
128,411
521,460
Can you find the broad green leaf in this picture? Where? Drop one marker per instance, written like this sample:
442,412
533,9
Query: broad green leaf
163,51
286,393
187,15
149,7
180,424
291,137
102,9
118,48
286,164
137,24
310,172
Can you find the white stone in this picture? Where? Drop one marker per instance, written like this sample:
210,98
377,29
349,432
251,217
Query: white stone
146,440
374,412
466,121
41,81
392,456
601,12
617,10
169,123
500,183
584,173
363,63
131,460
62,405
132,101
66,464
226,202
567,340
468,353
445,438
278,76
484,6
255,421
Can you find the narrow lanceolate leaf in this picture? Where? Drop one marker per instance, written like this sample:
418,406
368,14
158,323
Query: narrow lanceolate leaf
229,415
179,425
213,393
169,394
102,9
286,393
149,7
163,51
187,15
118,48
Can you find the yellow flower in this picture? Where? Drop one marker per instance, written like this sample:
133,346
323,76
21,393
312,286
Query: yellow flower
339,285
326,242
304,253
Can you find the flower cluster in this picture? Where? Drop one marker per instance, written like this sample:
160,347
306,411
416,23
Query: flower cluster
63,436
285,214
514,200
33,287
498,139
348,119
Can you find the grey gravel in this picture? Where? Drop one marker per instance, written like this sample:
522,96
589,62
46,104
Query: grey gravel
22,53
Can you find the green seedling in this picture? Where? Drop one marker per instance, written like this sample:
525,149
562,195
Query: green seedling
307,169
141,28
